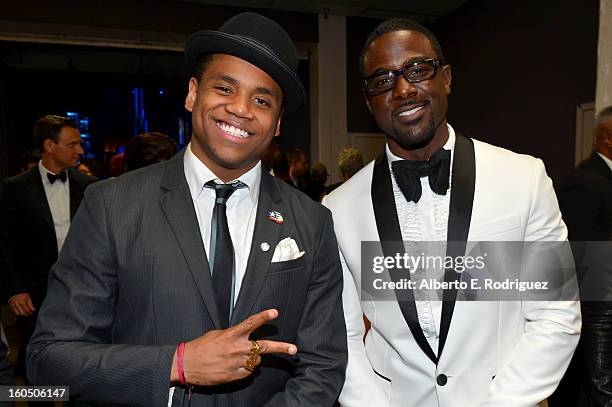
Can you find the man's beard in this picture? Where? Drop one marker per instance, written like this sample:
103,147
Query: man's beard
417,137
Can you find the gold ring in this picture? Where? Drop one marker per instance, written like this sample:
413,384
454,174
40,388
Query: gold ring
251,363
255,347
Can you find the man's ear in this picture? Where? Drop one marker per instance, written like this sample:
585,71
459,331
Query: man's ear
278,123
192,93
48,146
447,77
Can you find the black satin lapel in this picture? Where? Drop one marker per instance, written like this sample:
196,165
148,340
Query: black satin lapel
459,218
390,236
178,208
39,197
76,194
266,231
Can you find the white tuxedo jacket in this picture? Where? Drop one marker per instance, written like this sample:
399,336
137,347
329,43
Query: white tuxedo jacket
496,354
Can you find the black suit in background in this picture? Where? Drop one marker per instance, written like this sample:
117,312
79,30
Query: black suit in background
28,232
133,281
28,238
585,199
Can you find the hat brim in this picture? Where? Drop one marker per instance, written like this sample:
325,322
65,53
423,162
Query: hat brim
216,42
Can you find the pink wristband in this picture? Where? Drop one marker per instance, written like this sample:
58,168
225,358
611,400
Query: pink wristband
181,371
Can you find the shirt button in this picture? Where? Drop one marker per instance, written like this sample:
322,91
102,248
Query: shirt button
442,379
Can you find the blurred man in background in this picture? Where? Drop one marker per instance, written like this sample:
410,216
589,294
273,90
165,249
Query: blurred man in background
36,208
585,198
350,161
146,149
298,168
28,160
318,178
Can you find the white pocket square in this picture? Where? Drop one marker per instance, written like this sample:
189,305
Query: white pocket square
286,250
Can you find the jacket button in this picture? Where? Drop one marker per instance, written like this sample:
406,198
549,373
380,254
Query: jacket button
442,379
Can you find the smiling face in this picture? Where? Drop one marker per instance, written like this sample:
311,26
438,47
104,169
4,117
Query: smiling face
412,115
236,112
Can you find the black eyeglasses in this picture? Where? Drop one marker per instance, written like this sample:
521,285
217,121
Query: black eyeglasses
414,72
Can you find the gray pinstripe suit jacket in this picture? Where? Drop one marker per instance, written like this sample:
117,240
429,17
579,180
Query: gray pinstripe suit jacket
132,281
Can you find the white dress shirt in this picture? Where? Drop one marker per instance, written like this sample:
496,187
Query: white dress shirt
58,198
426,221
241,209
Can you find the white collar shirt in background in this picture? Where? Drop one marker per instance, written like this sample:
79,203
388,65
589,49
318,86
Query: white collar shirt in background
58,198
241,209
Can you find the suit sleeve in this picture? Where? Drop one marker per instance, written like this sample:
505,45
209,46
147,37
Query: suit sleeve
72,344
12,281
361,387
552,328
321,338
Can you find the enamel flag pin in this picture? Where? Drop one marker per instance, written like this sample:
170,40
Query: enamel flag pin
275,216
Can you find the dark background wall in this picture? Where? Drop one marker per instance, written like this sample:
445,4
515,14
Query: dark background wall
174,19
97,82
520,69
358,118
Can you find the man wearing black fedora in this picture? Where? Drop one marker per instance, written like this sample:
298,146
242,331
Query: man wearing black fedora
203,280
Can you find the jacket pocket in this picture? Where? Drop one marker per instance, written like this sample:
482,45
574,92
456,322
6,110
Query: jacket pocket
289,265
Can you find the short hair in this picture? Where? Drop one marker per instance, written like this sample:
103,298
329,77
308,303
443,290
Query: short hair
203,62
602,116
350,161
318,172
49,127
146,149
399,24
295,154
29,157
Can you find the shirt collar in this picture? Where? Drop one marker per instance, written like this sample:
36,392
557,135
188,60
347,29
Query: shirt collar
606,160
449,145
44,171
198,174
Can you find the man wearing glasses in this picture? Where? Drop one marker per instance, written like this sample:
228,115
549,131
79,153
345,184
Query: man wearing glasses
432,184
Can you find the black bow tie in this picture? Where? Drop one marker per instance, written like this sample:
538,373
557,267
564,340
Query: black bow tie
61,176
408,173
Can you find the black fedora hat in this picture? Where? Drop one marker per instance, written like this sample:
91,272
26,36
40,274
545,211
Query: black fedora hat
257,40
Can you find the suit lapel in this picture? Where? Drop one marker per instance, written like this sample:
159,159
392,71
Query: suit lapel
459,218
76,193
39,197
390,234
266,231
177,205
